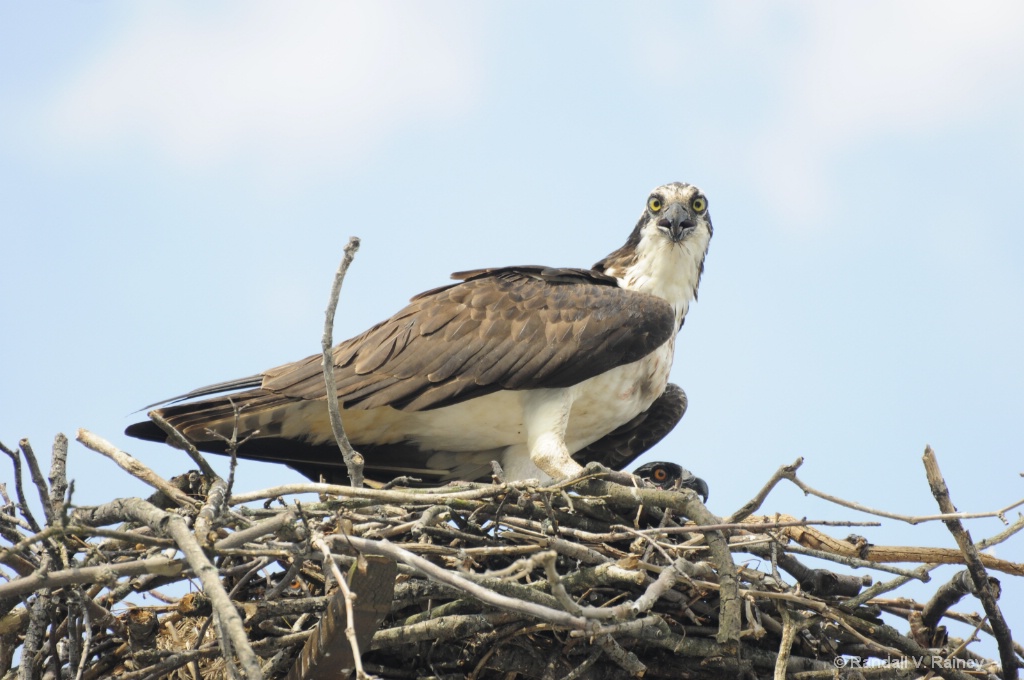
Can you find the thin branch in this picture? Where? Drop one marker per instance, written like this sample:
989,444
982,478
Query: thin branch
134,467
226,614
431,496
752,506
974,565
353,460
19,488
184,443
909,519
104,573
350,617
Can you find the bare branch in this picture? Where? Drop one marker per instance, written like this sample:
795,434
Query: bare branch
134,467
353,460
980,577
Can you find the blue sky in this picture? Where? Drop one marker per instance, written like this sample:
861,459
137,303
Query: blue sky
177,181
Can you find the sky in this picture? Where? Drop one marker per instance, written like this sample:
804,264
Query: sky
178,180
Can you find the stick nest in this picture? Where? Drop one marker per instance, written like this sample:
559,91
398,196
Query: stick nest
513,580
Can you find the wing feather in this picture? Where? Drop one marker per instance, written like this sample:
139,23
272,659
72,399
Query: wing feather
511,328
502,329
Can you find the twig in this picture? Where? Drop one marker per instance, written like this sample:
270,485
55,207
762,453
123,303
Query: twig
626,660
948,594
751,506
227,616
353,460
58,477
37,479
689,505
185,444
98,574
268,526
980,577
425,496
19,489
481,593
856,562
909,519
350,618
134,467
792,623
215,498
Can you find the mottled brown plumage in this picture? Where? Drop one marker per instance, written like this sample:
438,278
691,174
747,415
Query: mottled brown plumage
519,346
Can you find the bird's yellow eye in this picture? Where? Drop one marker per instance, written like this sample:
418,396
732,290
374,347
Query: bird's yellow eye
699,204
654,203
660,475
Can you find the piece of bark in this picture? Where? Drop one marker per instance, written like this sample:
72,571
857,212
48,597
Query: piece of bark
327,654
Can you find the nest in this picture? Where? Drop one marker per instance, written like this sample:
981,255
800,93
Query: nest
511,580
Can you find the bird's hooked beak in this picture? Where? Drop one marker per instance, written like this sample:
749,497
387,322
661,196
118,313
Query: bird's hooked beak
676,221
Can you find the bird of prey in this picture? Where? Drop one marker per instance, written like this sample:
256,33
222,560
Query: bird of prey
538,368
670,476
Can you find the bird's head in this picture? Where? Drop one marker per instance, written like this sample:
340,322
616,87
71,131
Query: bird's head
664,255
668,476
676,212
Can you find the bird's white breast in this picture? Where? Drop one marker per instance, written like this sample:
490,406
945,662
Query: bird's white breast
667,270
606,401
599,405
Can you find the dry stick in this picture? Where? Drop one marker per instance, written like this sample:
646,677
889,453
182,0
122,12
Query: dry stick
856,562
1000,630
258,530
353,460
37,479
183,441
688,504
925,569
58,476
485,595
789,472
34,634
751,506
20,489
752,527
42,537
909,519
411,496
98,574
625,659
665,581
346,593
134,467
547,559
228,619
791,625
948,594
87,627
215,497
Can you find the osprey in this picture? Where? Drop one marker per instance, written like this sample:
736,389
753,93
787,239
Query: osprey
538,368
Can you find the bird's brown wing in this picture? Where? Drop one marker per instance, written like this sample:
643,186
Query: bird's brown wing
503,329
507,329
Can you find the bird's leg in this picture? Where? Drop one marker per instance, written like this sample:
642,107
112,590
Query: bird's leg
545,417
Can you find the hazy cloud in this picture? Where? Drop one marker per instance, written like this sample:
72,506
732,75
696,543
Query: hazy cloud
795,86
287,83
907,69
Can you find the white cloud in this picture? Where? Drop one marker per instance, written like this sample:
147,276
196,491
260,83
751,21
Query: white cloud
286,83
797,86
859,72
